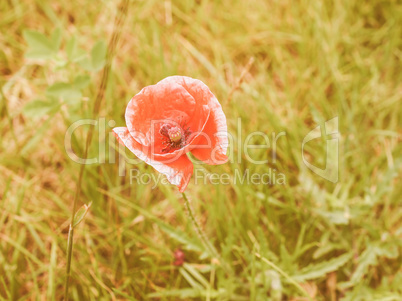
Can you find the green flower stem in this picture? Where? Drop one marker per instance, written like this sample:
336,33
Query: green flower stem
211,249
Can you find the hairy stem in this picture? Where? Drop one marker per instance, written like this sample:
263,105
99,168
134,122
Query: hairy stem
211,249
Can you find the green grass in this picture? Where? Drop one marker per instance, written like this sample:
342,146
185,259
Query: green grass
309,238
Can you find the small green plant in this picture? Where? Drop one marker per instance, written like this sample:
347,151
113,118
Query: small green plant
72,62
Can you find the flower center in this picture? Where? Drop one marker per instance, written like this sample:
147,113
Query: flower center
175,134
174,137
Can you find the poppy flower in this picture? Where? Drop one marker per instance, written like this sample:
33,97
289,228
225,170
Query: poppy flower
167,120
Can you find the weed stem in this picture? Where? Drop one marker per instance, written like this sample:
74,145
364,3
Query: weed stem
105,75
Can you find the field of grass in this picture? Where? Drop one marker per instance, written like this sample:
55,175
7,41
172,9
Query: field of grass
276,67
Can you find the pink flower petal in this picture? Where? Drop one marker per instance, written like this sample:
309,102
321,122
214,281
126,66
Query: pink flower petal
212,146
177,171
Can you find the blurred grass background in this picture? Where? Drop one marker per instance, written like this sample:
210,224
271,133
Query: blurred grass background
278,66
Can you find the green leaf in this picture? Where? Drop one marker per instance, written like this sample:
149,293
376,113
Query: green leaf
71,47
98,55
187,293
74,53
38,108
181,237
367,258
370,258
195,273
123,294
4,61
389,250
97,59
56,39
81,82
337,217
60,63
325,249
85,63
80,214
40,47
321,269
65,92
